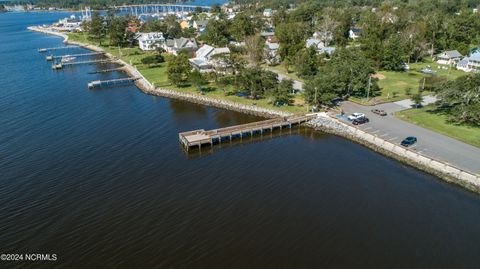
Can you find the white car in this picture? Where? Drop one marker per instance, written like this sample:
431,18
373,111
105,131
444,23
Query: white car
355,116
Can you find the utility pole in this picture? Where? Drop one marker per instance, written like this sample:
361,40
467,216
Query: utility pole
316,98
368,89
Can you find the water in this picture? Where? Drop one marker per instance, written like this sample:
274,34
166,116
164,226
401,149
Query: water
98,178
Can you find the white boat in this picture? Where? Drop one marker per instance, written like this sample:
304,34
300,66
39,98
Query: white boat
67,59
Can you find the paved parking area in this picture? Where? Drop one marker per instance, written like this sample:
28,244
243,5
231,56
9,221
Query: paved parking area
429,143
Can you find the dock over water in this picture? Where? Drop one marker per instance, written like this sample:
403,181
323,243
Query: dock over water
198,138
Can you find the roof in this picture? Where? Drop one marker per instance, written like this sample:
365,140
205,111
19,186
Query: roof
475,56
151,36
451,54
314,42
356,30
201,23
264,34
328,50
204,51
267,10
272,46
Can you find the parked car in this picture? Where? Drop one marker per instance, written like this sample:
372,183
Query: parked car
360,121
356,116
380,112
409,141
428,71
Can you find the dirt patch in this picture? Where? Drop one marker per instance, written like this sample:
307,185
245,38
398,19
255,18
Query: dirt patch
379,76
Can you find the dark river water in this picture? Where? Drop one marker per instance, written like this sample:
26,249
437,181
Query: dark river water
98,178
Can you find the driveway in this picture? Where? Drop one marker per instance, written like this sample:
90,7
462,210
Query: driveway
297,85
429,142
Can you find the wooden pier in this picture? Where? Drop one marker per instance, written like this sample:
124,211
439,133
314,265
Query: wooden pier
57,66
107,70
198,138
52,57
111,82
57,48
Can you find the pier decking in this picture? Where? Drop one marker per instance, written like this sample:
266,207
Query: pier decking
61,65
111,82
202,137
52,57
56,48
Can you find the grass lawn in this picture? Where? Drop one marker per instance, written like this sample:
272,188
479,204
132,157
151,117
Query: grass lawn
394,84
438,122
157,74
280,69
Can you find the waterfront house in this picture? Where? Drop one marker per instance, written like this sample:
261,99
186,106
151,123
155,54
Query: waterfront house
470,63
150,41
267,13
173,46
448,57
354,33
207,59
271,53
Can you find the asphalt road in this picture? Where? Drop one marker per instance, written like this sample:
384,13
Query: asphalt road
430,143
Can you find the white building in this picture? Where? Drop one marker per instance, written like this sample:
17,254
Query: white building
205,62
448,57
173,46
267,13
470,63
354,33
150,41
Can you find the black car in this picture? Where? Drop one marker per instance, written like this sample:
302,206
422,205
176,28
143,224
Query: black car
409,141
361,120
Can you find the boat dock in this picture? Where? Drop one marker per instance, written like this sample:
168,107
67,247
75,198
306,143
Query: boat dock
107,70
61,65
198,138
57,48
111,82
52,57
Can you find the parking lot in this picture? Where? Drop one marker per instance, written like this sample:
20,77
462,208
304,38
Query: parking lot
429,143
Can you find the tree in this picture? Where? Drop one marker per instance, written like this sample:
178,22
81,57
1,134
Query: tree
216,33
153,59
178,69
393,54
307,62
460,99
96,27
256,81
242,26
282,94
197,79
254,48
291,37
417,99
116,31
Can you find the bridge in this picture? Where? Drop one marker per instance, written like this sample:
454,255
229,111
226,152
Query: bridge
198,138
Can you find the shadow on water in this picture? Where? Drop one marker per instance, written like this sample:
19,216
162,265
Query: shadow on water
207,149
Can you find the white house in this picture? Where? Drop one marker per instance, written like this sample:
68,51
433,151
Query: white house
325,36
174,45
470,63
319,46
150,41
267,13
205,62
448,57
354,33
271,53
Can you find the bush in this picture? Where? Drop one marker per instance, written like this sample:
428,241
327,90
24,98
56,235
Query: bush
153,59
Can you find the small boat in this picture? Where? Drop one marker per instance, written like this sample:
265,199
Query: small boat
49,58
67,59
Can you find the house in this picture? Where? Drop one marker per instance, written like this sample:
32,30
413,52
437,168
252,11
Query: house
325,36
150,41
267,13
205,61
327,50
199,24
173,46
470,63
186,24
271,53
267,33
448,57
315,42
354,33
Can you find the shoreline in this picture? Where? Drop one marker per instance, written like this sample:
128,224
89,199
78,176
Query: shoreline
325,123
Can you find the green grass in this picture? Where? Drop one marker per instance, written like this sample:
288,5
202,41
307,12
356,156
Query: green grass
439,123
280,69
394,84
157,75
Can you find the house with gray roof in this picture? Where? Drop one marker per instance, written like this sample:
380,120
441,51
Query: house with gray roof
271,53
205,60
173,46
448,57
470,63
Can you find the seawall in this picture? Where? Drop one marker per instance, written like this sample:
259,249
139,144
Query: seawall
324,123
445,171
